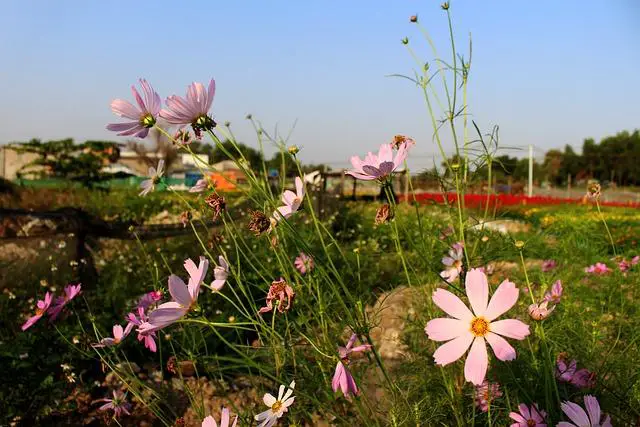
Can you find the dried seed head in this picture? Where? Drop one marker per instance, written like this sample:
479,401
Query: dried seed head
217,203
413,18
185,217
259,223
594,190
383,214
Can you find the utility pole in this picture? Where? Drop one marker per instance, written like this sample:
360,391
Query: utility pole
530,188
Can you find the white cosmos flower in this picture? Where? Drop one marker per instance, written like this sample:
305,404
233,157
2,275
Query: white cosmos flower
154,177
277,407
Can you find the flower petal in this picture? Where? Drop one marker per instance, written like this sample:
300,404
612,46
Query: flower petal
451,304
179,291
452,350
445,329
477,289
502,300
269,400
475,368
593,409
575,413
501,347
510,328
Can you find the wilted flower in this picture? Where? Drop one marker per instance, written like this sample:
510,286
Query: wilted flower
118,335
259,223
118,404
220,274
468,329
42,307
70,292
200,186
548,265
184,297
383,214
292,201
216,203
224,420
182,137
453,262
597,268
591,418
144,117
277,407
303,263
194,110
280,291
485,393
555,294
540,311
594,190
154,177
380,166
528,416
185,217
568,372
400,140
342,379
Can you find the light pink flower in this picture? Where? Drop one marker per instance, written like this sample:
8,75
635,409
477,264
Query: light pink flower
150,298
292,201
303,263
224,420
597,268
148,337
378,166
42,307
453,262
154,177
624,265
192,110
591,418
467,329
144,117
568,372
279,291
485,393
540,311
200,186
118,335
342,379
118,404
556,293
528,417
220,274
70,292
277,407
635,260
548,265
184,297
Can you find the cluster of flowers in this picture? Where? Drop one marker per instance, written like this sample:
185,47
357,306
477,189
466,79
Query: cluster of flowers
51,307
624,265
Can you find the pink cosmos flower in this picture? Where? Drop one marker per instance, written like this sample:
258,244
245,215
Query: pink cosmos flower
118,335
555,294
200,186
154,177
184,297
70,292
540,311
635,260
144,117
147,337
292,201
453,262
485,393
597,268
277,407
220,274
342,378
568,372
118,404
528,417
591,418
279,291
548,265
150,298
468,329
303,263
378,166
224,420
192,110
42,307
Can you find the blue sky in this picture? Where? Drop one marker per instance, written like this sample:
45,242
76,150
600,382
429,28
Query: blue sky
548,72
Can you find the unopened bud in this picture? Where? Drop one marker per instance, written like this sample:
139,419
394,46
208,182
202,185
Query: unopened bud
413,18
405,40
445,5
519,244
293,150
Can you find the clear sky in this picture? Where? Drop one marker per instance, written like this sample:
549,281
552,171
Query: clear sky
548,72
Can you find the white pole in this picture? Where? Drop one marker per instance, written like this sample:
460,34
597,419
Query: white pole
530,188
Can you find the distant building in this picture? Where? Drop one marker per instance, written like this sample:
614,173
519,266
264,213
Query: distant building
11,162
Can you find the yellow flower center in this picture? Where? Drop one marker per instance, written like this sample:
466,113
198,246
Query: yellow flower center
39,312
276,406
479,326
531,423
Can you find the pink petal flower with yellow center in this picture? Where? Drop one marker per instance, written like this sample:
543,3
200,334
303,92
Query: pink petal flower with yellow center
342,378
485,393
70,292
119,333
118,404
473,329
528,417
225,418
453,262
380,166
277,407
292,201
42,307
592,417
556,293
143,117
303,263
193,109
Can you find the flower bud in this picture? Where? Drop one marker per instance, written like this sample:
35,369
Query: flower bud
413,18
519,244
293,150
445,5
405,40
